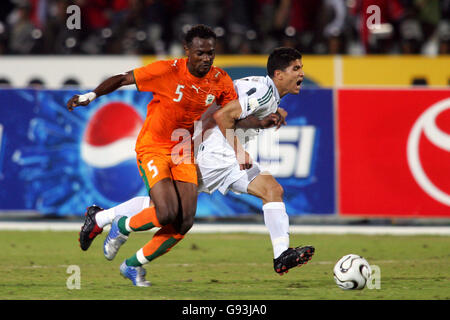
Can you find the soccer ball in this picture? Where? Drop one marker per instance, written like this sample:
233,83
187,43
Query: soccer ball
352,272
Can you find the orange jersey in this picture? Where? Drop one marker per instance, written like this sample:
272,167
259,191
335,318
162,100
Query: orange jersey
179,99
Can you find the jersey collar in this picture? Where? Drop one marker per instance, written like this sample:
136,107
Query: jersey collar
270,82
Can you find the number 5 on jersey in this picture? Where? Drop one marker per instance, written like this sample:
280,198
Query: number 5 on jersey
179,93
153,168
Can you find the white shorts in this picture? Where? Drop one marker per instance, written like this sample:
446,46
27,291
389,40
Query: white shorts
219,171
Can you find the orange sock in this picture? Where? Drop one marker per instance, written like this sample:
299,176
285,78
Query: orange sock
163,240
144,220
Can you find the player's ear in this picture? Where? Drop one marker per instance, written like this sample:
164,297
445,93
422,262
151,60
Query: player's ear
186,48
278,74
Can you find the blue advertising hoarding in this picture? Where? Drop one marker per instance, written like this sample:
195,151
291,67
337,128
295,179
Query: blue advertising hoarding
59,162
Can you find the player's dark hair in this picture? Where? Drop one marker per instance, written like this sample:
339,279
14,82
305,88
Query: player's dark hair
201,31
281,58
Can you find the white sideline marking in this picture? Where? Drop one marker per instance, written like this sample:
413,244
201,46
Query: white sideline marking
251,228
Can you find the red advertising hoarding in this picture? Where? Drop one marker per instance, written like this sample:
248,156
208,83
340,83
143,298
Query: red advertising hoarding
394,153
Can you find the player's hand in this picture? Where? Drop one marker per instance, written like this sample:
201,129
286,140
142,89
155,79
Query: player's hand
246,162
282,114
269,121
276,119
75,102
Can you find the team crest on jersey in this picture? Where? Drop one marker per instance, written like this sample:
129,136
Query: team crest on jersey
209,99
252,104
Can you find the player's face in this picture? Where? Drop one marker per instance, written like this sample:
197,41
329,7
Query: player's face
292,77
201,54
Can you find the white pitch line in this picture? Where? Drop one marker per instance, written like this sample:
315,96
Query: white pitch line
251,228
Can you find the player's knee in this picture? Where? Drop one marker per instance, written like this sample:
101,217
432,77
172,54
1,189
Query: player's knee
188,219
186,226
167,213
278,191
273,193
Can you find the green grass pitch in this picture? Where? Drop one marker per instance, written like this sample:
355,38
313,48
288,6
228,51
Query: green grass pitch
235,266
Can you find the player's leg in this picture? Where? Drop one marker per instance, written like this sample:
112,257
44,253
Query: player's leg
155,170
169,235
128,208
250,181
187,193
166,199
265,187
162,241
276,219
162,213
97,218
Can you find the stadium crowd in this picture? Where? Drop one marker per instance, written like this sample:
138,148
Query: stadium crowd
243,27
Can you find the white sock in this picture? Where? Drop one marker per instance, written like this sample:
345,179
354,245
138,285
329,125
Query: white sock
128,208
277,221
105,217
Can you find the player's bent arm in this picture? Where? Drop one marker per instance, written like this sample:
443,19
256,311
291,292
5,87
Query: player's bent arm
109,85
276,119
252,122
226,118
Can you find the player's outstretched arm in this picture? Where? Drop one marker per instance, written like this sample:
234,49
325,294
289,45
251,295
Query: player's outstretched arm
109,85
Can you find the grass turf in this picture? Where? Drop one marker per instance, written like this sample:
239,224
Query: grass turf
221,267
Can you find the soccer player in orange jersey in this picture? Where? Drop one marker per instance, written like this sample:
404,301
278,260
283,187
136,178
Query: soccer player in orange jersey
182,90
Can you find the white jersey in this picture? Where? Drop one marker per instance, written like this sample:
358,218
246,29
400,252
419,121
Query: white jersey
218,166
258,96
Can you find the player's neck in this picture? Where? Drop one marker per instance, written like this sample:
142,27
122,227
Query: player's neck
281,91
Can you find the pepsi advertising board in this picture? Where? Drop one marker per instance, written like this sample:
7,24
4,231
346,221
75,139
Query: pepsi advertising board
58,162
394,152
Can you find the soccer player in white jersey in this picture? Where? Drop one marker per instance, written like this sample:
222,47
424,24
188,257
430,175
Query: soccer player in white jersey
218,167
